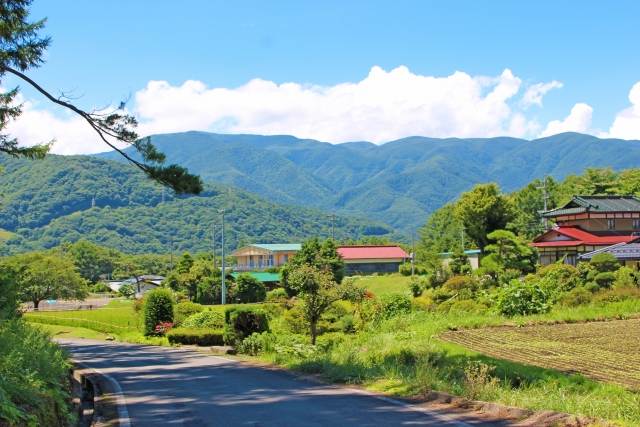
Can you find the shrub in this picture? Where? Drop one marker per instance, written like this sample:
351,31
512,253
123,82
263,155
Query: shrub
251,345
158,309
592,287
295,321
277,294
626,276
240,322
518,298
347,324
100,288
127,290
466,305
395,304
422,304
405,269
368,311
618,294
249,289
605,262
576,297
508,275
416,286
327,341
183,310
459,283
340,308
204,320
441,295
558,278
605,280
201,337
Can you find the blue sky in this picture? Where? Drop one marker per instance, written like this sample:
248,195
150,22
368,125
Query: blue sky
104,50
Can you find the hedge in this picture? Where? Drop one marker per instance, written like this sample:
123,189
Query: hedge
201,337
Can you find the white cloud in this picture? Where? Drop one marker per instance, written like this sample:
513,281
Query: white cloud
382,107
578,121
627,122
534,93
72,134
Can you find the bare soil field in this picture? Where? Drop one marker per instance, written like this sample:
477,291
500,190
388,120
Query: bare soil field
607,351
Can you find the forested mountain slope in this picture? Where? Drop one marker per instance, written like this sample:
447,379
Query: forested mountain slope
399,182
48,202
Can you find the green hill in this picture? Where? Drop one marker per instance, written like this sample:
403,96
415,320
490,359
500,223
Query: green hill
48,202
399,182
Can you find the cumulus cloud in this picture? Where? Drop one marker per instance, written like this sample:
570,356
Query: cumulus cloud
534,93
72,134
578,121
627,123
382,107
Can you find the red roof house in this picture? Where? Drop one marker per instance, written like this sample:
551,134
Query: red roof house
587,224
368,259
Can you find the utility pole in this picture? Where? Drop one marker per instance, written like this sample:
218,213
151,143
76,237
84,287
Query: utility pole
213,235
462,239
545,196
171,253
333,225
345,237
224,273
93,202
413,253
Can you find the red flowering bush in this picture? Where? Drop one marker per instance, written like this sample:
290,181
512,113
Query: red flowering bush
163,328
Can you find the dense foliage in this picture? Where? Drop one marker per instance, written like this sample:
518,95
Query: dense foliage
50,202
158,309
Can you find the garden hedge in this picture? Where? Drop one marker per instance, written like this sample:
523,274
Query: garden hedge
201,337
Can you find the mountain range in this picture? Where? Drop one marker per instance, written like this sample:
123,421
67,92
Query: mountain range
399,183
67,198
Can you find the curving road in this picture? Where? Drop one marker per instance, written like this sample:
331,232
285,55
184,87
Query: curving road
177,387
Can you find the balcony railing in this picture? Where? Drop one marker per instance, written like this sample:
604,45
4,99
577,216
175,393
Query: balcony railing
256,266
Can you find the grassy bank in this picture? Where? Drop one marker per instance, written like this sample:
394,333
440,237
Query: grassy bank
403,356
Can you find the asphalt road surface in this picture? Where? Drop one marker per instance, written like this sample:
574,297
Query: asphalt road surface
177,387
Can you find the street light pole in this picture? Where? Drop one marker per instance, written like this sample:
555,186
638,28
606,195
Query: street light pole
224,286
213,235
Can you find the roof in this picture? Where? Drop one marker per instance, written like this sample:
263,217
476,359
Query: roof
287,247
626,250
469,252
261,276
576,237
372,252
596,204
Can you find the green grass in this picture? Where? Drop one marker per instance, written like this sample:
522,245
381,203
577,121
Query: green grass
110,320
385,284
59,331
120,303
403,356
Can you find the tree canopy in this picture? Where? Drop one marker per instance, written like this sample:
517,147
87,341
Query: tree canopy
22,49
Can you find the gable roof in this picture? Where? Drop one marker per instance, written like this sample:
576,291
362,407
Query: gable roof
372,252
596,204
625,250
575,236
287,247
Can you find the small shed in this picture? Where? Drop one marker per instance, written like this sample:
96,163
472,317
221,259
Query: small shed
369,259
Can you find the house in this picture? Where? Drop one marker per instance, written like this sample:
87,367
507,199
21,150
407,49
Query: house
261,257
147,283
627,253
372,258
473,255
587,224
269,280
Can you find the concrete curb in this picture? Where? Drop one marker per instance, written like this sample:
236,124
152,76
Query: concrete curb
109,408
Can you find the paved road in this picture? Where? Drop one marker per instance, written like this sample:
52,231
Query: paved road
174,387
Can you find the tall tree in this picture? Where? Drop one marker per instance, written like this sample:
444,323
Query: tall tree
483,210
509,252
323,256
528,202
22,49
317,291
42,277
442,231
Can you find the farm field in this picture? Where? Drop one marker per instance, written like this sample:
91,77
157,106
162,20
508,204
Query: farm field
106,319
607,351
385,284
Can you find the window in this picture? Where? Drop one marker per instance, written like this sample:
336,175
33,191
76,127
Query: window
270,260
635,224
611,224
250,260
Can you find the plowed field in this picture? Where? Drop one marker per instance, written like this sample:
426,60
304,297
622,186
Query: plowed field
608,351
